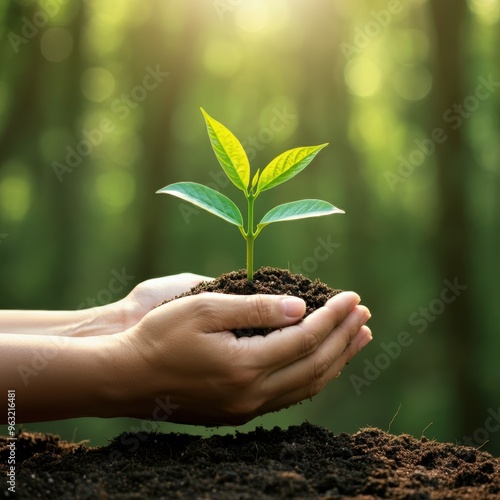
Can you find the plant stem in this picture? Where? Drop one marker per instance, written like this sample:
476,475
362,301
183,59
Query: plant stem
250,237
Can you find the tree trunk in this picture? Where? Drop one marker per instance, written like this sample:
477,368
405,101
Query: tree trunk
176,58
453,248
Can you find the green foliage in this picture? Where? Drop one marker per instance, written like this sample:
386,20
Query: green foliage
234,162
207,198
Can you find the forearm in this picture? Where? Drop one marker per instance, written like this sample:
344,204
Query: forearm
80,323
57,377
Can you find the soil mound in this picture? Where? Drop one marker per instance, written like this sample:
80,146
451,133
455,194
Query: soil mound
303,461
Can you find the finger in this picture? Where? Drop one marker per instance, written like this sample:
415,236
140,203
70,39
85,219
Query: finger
281,348
360,341
284,400
220,312
181,283
314,371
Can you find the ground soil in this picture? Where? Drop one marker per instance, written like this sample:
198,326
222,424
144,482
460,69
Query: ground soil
303,461
270,281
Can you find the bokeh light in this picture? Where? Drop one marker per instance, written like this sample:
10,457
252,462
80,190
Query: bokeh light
413,82
56,44
487,12
97,84
363,77
115,190
15,197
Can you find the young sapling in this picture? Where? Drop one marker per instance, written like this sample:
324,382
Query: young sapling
234,162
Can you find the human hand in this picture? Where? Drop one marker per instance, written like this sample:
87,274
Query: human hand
127,312
184,352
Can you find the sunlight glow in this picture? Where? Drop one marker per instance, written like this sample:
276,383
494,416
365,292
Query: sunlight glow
486,11
258,18
252,16
222,58
363,77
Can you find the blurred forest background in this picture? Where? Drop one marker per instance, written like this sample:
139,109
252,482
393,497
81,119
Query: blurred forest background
99,108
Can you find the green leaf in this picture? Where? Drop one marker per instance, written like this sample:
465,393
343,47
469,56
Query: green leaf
287,165
301,209
207,198
255,178
229,152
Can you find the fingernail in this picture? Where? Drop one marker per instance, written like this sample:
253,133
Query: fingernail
293,307
365,341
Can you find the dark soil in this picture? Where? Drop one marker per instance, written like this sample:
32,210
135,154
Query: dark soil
270,281
304,461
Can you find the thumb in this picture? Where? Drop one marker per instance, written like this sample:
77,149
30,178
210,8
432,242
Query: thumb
229,312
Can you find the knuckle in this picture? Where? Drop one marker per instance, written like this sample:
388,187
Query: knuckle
241,379
204,308
309,344
319,369
337,318
238,375
260,310
347,334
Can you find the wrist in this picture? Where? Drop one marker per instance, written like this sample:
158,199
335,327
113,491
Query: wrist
119,316
110,390
123,377
103,320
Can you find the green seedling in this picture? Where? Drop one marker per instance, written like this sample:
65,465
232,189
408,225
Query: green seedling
234,162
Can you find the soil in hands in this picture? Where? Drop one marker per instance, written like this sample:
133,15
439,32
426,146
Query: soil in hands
303,461
270,281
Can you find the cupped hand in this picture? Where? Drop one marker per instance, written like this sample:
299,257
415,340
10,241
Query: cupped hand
128,311
185,353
